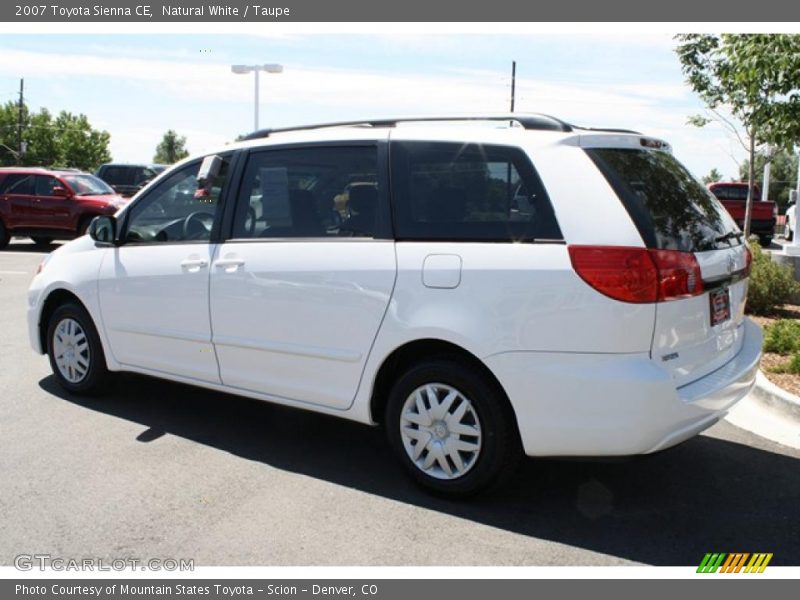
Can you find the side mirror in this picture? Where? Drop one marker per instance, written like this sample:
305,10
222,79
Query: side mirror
103,230
60,191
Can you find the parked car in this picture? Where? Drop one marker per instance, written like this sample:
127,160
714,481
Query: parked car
733,196
47,205
790,222
601,316
128,179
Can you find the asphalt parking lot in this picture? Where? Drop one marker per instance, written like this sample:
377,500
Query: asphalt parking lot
157,470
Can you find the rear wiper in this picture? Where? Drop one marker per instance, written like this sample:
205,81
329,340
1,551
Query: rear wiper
729,236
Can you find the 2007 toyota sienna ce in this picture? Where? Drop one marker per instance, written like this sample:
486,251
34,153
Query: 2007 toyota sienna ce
482,287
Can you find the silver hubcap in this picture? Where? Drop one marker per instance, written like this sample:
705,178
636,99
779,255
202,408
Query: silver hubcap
441,431
71,350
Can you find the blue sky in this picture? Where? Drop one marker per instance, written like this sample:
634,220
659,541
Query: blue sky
137,86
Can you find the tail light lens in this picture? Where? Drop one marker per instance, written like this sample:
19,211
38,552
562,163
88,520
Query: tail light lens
638,275
678,274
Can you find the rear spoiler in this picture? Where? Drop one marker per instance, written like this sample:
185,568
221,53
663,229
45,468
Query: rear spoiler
619,140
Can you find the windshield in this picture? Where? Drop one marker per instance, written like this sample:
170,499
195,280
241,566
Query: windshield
670,208
88,185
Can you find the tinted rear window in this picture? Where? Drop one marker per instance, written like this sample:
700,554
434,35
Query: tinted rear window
117,175
670,208
468,192
732,192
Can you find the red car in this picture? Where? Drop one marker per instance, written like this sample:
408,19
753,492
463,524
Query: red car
733,196
46,204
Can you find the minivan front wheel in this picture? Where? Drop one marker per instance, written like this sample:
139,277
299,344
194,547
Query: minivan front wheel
76,355
451,428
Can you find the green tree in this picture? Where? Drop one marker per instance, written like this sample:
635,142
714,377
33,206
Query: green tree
753,77
171,149
80,145
782,177
713,177
67,140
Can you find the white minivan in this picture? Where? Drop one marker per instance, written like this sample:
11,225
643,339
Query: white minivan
483,287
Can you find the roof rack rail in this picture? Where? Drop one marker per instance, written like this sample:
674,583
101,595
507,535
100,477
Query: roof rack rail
528,121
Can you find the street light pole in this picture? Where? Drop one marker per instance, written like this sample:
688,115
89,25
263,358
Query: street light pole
255,108
256,69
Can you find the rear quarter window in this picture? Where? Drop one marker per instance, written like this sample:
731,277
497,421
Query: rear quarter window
670,208
468,192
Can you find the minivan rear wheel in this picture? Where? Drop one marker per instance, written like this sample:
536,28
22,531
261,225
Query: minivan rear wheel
75,352
452,428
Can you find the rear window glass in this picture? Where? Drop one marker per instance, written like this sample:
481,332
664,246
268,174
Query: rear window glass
733,192
117,175
670,208
468,192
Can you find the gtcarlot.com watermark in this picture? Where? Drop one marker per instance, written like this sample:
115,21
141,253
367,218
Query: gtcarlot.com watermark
44,562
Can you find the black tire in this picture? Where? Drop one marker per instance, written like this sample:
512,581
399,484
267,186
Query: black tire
83,225
789,235
5,237
41,241
96,376
765,241
500,447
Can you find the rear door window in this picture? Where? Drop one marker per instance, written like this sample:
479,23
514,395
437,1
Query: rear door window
19,184
468,192
670,208
45,185
318,192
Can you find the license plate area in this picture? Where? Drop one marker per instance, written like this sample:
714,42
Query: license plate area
720,301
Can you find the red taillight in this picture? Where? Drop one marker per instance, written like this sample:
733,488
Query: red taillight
678,274
638,275
626,274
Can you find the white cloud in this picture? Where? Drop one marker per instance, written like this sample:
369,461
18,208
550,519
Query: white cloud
317,94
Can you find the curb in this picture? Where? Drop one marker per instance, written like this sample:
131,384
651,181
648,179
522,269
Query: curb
771,396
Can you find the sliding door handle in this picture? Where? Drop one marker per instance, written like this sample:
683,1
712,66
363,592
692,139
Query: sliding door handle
194,264
229,262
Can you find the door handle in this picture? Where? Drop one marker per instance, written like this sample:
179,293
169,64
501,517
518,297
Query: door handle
194,264
227,263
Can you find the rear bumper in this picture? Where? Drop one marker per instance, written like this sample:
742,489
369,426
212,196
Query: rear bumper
615,405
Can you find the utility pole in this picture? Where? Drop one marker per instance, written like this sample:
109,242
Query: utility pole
19,121
513,82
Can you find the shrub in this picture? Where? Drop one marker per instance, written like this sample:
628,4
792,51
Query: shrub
771,284
793,366
782,337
